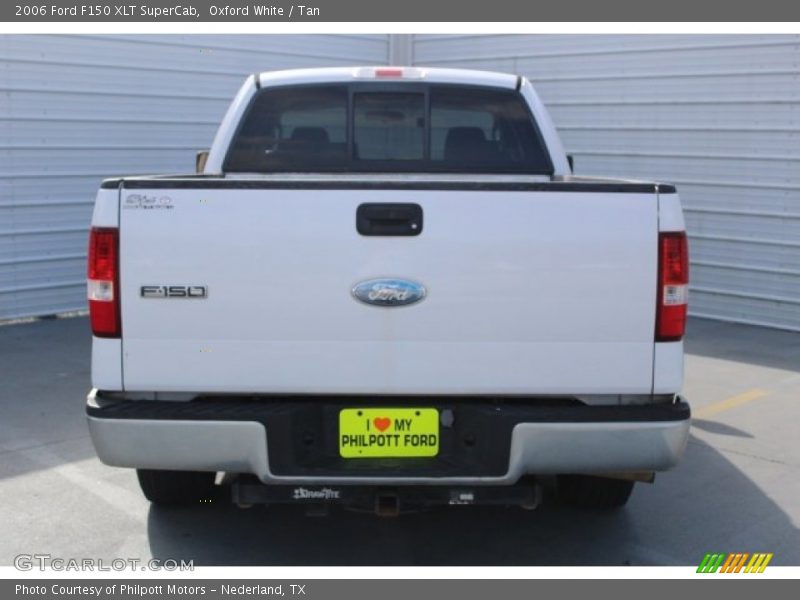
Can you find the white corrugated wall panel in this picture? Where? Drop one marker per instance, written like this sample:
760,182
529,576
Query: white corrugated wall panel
718,115
77,109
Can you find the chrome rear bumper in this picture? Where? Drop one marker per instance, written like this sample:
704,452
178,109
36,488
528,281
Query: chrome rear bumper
536,447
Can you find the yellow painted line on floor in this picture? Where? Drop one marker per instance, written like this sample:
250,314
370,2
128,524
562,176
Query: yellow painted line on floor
729,403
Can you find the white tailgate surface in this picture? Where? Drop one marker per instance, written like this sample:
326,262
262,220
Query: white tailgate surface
527,293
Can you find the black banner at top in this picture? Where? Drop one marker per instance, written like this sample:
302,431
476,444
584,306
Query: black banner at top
443,11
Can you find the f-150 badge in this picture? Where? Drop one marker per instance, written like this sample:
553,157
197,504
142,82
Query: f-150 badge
174,291
389,292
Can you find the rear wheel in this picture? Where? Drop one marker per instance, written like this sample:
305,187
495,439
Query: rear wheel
176,487
585,491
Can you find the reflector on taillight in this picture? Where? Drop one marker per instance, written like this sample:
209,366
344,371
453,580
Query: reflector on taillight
673,286
103,282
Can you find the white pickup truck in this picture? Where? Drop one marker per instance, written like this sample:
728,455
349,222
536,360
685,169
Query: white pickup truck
385,288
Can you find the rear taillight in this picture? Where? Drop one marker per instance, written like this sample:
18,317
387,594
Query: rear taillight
103,282
673,286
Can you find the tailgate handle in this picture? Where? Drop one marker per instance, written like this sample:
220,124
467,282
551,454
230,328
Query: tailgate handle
389,219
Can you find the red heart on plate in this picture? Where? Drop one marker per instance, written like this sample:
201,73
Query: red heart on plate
382,423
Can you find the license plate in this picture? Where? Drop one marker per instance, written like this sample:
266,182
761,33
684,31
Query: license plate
388,432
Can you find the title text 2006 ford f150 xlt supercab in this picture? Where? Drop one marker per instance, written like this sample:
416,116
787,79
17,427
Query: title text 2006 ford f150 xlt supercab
386,289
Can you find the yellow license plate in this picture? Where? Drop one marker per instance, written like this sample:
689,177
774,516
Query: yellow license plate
388,432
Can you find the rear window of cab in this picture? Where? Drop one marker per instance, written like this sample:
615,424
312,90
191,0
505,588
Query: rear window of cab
419,128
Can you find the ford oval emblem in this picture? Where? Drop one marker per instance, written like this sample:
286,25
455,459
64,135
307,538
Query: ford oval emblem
389,292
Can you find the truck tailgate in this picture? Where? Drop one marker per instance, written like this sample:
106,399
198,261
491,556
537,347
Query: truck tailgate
528,292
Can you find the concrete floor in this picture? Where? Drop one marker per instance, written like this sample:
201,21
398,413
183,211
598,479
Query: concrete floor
737,489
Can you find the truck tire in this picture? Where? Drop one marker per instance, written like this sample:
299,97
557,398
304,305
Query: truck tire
176,487
585,491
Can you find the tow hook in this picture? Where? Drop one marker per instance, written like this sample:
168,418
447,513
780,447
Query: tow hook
535,500
387,504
